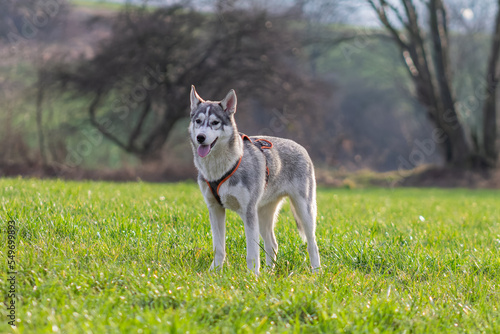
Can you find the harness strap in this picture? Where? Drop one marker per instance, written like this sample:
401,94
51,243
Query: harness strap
262,144
215,185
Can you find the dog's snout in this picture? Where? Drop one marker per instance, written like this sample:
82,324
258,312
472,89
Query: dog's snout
200,138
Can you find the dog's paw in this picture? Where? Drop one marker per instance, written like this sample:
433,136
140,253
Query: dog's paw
215,267
256,273
317,270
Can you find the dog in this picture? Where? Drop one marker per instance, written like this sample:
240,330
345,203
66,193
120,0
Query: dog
251,176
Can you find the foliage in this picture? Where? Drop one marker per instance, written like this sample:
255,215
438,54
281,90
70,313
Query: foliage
153,56
133,257
364,117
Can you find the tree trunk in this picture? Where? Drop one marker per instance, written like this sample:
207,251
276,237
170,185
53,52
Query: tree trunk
39,118
489,108
458,146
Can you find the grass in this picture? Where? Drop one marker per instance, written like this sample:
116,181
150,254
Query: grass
134,257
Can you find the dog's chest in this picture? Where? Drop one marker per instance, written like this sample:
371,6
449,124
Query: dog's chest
232,203
235,198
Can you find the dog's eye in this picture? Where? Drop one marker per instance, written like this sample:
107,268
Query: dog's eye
214,123
198,121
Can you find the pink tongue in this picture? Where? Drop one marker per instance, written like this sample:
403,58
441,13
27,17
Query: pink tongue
203,150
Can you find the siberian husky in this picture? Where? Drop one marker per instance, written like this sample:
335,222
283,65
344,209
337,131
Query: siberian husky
251,176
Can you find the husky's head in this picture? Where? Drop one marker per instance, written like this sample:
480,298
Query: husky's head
212,122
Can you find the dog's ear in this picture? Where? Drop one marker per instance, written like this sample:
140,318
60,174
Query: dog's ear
229,102
195,98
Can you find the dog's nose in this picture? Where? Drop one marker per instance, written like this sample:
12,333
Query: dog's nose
200,138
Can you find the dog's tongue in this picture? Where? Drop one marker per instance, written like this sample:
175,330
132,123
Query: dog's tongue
203,150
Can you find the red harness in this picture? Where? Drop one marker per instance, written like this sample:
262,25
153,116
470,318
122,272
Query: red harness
214,186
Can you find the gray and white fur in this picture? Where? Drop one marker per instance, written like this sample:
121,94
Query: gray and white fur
217,148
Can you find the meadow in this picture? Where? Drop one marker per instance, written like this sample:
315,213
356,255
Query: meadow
98,257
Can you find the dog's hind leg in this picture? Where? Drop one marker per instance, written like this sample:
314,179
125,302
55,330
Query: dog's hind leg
218,223
304,211
267,218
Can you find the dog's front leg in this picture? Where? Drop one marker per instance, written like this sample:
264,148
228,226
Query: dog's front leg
218,223
252,235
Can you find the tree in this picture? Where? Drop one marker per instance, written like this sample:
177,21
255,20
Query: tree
490,108
425,51
145,69
30,22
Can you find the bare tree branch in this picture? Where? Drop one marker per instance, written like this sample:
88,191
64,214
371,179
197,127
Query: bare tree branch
140,122
93,120
441,53
385,21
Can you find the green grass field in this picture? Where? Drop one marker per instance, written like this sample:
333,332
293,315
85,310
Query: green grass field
95,257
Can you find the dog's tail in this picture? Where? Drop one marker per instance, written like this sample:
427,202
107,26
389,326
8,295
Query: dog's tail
298,221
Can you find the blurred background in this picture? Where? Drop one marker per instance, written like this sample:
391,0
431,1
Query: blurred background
380,92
